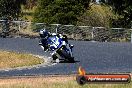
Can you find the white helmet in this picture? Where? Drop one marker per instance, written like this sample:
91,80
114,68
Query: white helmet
43,33
54,34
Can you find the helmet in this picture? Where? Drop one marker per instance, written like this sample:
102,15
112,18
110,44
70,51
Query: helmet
54,34
43,33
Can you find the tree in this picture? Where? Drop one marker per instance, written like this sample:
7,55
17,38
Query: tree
10,8
97,16
102,1
124,9
60,11
93,0
30,4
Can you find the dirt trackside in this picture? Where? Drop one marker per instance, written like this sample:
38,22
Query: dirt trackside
13,60
52,82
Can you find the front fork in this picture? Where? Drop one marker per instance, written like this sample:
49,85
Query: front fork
58,55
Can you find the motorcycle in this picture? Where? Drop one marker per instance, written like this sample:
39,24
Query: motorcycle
59,49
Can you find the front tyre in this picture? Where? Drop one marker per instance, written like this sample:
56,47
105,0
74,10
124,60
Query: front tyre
67,56
71,60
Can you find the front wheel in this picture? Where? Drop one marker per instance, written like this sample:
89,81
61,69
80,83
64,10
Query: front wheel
71,60
67,56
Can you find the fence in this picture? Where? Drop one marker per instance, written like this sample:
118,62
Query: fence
88,33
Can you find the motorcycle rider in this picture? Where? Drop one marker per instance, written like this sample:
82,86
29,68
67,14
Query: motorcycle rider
44,35
44,42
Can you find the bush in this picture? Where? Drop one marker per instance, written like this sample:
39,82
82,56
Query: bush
60,11
97,15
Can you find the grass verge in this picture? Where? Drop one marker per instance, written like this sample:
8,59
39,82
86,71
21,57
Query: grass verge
53,82
13,59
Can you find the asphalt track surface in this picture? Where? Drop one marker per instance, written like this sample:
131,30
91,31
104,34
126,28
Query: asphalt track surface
94,57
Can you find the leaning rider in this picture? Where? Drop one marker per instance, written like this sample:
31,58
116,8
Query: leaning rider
44,34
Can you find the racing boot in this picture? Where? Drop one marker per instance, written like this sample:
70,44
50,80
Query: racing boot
54,57
71,46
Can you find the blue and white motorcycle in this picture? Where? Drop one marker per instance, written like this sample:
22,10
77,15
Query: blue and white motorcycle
59,49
